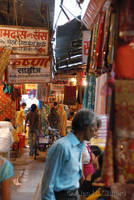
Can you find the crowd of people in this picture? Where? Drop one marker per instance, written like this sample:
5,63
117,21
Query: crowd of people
72,164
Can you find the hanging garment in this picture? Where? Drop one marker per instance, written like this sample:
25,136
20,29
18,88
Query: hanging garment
63,119
89,95
80,97
100,100
107,167
93,47
111,47
106,38
98,51
70,95
4,59
124,62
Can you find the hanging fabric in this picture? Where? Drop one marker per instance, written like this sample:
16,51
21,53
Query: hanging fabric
125,52
89,95
4,59
124,127
80,96
70,95
100,99
106,37
111,47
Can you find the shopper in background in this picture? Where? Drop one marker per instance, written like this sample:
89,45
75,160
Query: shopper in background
54,119
96,140
6,172
88,158
66,108
87,161
33,120
20,119
89,185
63,166
44,112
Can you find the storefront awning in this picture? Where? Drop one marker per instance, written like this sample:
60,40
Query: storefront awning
92,11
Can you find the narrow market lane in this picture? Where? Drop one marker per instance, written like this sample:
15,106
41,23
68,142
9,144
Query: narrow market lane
28,172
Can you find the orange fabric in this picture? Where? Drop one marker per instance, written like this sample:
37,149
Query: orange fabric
125,62
63,119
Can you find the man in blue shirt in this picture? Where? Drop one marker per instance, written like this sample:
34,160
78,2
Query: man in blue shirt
63,167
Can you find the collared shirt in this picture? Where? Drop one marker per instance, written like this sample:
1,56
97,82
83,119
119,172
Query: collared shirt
63,167
33,119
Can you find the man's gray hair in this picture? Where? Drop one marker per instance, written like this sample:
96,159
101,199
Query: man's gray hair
84,118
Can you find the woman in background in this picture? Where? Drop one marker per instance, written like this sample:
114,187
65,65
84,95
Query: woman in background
53,119
63,119
20,119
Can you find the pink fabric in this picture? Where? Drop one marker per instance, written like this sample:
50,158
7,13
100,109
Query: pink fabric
100,99
88,168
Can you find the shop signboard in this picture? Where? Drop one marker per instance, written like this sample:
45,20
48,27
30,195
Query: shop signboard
85,45
57,87
25,69
25,40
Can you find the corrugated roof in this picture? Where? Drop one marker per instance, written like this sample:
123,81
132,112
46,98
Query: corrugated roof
33,13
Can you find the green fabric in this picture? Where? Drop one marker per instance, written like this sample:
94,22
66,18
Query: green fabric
89,95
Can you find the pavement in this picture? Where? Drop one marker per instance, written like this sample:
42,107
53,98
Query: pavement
28,172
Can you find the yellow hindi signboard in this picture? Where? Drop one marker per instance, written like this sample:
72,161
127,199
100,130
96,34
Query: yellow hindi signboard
29,69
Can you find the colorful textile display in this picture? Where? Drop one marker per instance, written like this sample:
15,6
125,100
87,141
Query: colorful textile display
124,130
7,106
100,59
102,45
